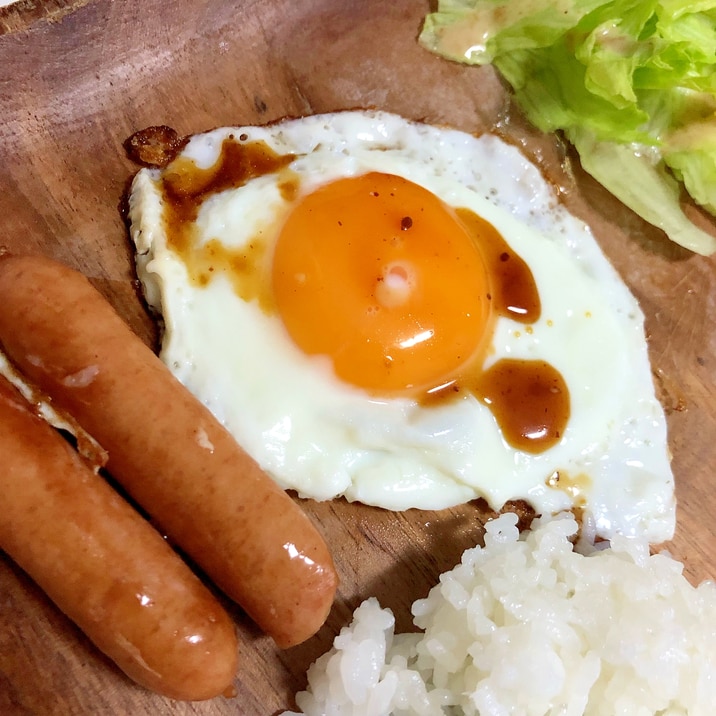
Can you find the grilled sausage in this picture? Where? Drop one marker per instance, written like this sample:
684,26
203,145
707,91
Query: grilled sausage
104,566
166,449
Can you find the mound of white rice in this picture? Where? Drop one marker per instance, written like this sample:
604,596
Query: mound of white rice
529,626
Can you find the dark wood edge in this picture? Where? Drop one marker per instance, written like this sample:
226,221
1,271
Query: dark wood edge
19,16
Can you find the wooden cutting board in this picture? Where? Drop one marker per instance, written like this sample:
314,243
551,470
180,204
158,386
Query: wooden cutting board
78,78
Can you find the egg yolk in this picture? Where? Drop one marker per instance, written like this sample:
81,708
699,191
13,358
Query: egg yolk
378,274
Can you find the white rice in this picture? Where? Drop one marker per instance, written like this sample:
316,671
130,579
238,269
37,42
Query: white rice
529,626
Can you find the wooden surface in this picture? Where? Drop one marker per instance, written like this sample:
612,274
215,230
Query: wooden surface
74,85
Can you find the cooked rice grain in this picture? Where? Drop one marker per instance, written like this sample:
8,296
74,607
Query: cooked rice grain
529,626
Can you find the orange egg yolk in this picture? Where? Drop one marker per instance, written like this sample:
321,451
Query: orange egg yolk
381,276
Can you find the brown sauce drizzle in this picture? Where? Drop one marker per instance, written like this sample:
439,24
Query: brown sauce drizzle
513,293
185,187
529,399
576,486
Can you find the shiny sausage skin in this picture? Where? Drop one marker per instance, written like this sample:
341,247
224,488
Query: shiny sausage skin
166,449
104,566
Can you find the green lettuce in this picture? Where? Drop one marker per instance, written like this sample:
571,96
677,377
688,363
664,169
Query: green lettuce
631,83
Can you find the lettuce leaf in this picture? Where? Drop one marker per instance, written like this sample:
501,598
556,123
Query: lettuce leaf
631,83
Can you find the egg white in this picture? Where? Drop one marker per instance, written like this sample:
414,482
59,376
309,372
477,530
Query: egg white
324,438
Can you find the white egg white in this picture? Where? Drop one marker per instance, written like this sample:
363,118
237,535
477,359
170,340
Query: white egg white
324,438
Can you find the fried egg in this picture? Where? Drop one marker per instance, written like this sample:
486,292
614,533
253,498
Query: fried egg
403,315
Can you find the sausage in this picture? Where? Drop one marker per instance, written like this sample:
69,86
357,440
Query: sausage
166,449
104,566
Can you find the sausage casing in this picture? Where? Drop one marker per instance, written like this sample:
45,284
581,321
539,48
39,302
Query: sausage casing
166,449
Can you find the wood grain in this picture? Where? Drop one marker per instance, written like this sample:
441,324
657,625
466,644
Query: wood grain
76,79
